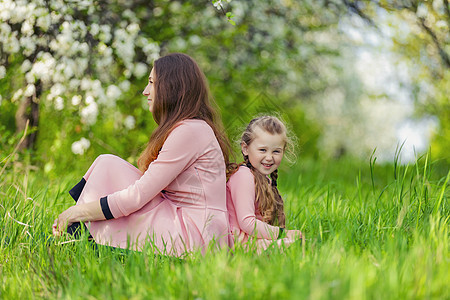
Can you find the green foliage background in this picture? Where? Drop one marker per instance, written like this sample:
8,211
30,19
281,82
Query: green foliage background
280,57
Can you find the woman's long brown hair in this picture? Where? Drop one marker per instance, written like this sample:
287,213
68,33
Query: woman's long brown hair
181,92
268,198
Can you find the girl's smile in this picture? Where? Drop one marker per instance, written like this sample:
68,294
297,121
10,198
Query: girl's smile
266,151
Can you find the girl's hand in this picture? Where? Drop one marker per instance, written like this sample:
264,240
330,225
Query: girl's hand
294,234
66,218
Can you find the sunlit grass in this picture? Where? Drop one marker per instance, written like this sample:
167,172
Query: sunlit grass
371,231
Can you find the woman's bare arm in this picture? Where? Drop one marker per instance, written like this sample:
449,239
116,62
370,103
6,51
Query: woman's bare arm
82,212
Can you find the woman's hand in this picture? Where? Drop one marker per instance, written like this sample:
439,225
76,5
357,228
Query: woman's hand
81,212
66,218
294,234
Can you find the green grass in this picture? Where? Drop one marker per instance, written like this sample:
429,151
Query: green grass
372,232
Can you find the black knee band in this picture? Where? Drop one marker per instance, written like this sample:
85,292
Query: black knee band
75,192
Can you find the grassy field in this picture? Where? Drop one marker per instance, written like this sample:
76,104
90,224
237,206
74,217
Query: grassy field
372,232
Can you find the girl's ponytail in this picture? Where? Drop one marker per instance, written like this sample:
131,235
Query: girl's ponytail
281,217
268,198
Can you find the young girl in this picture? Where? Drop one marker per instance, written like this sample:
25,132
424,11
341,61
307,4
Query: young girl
253,201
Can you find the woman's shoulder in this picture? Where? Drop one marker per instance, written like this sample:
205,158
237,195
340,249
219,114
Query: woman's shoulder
192,135
193,126
194,123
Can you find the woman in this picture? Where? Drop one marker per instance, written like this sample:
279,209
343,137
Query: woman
177,198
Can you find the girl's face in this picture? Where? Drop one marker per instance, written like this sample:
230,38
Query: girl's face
266,151
149,90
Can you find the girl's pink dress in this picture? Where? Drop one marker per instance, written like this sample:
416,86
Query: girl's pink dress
178,204
245,219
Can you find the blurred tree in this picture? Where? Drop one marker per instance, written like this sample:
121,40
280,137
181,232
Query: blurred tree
74,59
278,56
72,55
421,38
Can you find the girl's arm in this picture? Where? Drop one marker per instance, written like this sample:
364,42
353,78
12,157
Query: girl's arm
242,188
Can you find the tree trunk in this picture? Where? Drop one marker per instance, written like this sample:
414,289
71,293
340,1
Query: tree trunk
29,110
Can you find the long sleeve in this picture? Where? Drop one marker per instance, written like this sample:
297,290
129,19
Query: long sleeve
181,148
242,189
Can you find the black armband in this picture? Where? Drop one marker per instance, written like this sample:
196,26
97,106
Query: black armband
105,208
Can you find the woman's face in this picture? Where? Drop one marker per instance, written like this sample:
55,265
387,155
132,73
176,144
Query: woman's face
149,90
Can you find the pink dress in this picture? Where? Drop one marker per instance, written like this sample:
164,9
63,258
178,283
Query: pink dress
178,204
245,219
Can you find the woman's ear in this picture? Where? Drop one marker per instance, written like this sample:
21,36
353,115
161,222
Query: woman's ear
244,148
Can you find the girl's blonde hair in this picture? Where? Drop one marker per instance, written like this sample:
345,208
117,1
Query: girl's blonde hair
268,198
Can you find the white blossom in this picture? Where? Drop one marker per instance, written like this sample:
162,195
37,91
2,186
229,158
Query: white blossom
2,72
158,11
129,122
26,66
12,45
28,44
152,51
55,17
42,69
84,4
133,28
105,34
79,147
30,90
89,99
125,85
175,6
57,89
18,14
218,4
180,43
84,48
85,84
59,103
27,28
441,24
76,100
17,95
29,77
44,22
422,10
195,40
5,29
6,7
113,92
140,69
129,14
68,70
89,114
96,86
